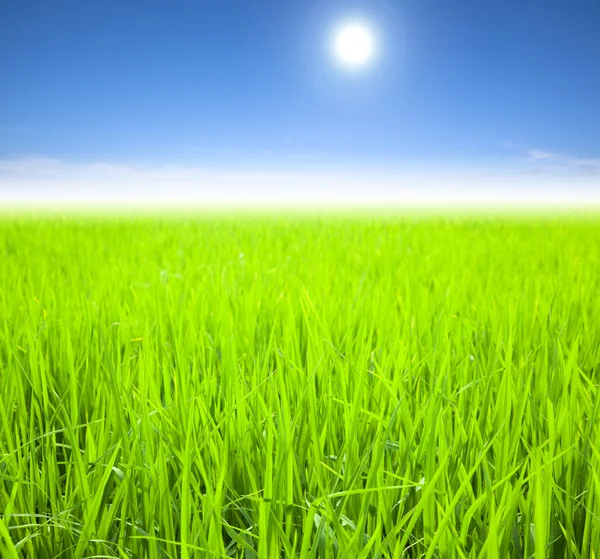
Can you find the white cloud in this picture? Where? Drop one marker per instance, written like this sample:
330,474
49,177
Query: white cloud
566,163
540,155
39,181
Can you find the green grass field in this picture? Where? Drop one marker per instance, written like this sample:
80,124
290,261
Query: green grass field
260,387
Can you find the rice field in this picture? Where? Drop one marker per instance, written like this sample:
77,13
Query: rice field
300,386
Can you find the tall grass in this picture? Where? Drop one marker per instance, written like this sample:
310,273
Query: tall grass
300,387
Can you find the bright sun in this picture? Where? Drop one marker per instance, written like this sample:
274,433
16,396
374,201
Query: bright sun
354,44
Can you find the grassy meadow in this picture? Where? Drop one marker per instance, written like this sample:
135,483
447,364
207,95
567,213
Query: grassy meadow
311,387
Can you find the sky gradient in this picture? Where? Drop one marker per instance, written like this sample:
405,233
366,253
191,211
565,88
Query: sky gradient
224,100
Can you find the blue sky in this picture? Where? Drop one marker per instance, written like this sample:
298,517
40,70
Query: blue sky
468,89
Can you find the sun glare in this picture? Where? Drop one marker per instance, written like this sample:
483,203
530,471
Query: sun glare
354,44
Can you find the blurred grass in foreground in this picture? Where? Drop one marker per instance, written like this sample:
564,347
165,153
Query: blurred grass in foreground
299,387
